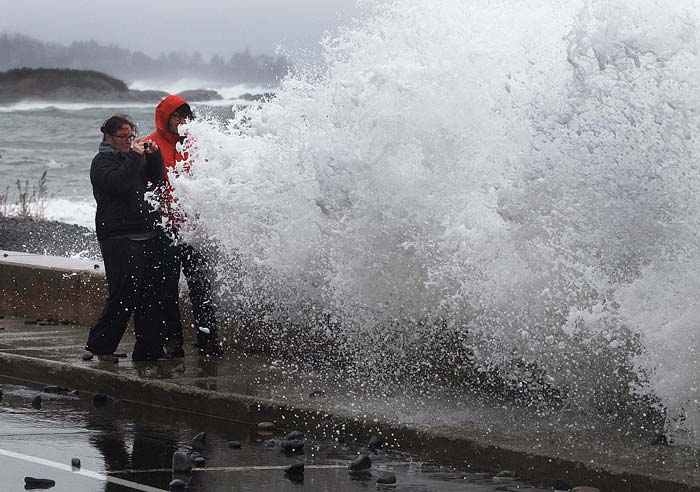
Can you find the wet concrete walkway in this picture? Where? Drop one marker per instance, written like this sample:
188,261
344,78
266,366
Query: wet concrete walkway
252,388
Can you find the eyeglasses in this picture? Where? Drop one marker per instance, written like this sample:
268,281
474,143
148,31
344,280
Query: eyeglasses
127,137
178,116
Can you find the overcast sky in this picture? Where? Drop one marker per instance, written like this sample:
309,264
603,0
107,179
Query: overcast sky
154,26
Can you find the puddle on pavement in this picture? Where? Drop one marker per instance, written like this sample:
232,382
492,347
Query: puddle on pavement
136,443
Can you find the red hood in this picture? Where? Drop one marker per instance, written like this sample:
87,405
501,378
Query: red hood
163,111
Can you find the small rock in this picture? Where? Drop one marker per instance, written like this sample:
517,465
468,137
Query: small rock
387,479
30,321
38,483
177,484
200,462
292,446
317,394
181,462
88,356
585,489
75,462
361,463
100,400
266,426
375,442
55,389
234,444
199,441
295,469
36,402
295,436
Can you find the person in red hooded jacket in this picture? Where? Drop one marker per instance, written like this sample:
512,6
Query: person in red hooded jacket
170,114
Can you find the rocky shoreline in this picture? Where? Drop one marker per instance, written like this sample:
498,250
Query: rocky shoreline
67,85
48,238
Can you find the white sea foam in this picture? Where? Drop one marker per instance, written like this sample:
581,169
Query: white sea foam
523,175
71,212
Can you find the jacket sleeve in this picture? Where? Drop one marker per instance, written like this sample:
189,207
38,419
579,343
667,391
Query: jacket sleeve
155,170
107,173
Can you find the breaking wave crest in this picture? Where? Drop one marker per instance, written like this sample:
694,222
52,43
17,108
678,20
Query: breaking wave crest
498,193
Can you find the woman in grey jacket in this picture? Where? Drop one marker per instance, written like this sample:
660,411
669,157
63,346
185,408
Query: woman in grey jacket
122,172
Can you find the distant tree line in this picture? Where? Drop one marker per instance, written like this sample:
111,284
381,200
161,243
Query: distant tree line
22,51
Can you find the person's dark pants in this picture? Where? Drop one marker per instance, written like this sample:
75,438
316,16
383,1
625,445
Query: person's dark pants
195,266
134,280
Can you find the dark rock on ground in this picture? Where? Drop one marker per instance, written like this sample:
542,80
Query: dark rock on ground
36,402
181,462
30,321
88,356
100,400
177,484
387,479
75,462
295,469
199,441
38,483
361,463
47,237
295,436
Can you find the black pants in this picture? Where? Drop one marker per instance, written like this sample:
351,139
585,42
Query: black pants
195,266
134,280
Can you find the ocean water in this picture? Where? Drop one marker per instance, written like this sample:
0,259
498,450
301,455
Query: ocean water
466,193
62,138
475,190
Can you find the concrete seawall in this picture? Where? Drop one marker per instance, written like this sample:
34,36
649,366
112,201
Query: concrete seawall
47,287
242,387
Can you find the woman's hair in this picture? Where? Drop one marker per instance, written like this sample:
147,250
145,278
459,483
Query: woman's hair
113,124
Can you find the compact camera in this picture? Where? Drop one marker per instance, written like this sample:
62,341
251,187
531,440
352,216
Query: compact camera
146,145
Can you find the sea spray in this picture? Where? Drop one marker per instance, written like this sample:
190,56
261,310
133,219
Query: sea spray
499,193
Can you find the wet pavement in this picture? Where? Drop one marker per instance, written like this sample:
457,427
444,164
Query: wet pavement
128,447
127,439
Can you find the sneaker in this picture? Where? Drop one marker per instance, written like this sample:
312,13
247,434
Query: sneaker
111,358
